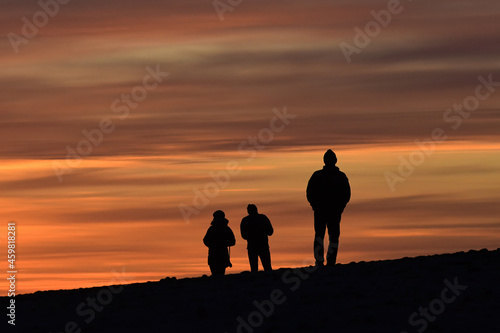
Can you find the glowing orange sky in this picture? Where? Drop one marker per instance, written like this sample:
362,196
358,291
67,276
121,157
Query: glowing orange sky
119,207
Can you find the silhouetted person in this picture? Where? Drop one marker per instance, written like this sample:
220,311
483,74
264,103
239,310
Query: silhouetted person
255,228
218,238
328,192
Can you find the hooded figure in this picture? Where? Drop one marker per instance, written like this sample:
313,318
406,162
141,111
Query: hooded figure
218,238
328,192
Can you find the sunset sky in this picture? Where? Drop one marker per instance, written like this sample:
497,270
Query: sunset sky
173,94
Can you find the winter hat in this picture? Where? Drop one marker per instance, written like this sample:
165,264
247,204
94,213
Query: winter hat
330,158
219,214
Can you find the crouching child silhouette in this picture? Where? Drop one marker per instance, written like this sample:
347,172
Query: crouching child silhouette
218,238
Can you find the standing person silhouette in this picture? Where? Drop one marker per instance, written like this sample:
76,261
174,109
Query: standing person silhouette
218,238
328,192
255,228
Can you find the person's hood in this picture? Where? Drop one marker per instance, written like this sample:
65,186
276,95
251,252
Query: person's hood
220,222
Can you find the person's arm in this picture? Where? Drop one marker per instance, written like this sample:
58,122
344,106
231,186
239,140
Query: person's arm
243,229
347,190
207,240
311,190
231,241
269,226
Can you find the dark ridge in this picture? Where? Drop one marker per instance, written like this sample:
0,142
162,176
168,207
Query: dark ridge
457,292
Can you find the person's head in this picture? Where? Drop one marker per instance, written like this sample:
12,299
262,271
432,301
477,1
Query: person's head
252,209
330,158
219,214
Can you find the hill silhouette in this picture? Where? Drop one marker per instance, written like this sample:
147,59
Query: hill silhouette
441,293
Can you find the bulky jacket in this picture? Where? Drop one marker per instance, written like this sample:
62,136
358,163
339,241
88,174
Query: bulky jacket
328,190
256,228
218,237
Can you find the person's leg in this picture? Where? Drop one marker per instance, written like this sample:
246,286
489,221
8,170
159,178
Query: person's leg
333,238
319,236
217,270
253,258
265,258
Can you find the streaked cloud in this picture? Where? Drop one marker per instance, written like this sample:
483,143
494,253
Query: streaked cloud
119,206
